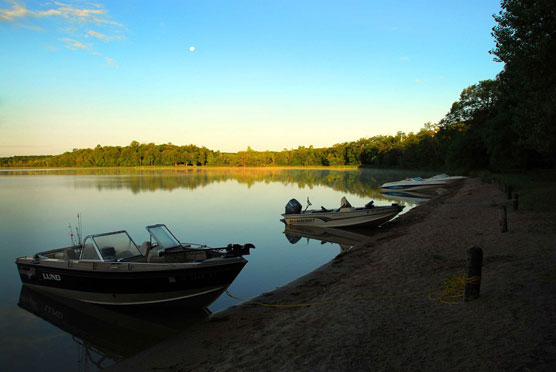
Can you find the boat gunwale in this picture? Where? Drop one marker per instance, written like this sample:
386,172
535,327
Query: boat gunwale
315,212
100,266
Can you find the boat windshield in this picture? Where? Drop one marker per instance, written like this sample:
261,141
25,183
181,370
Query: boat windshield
115,246
89,251
163,237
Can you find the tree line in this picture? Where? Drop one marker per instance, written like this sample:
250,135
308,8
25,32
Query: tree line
407,151
505,123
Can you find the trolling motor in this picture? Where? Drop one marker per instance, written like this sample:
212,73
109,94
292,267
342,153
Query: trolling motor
238,250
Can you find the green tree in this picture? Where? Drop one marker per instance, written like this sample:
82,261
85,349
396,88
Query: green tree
475,104
463,131
526,42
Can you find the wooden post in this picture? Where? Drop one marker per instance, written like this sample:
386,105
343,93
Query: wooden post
509,192
474,270
503,219
516,201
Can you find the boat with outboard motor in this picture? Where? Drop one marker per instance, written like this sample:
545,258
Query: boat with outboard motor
345,216
109,269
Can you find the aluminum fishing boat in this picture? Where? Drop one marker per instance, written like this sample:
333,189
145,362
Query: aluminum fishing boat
345,216
110,269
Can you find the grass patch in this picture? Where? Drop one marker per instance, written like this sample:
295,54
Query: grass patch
536,189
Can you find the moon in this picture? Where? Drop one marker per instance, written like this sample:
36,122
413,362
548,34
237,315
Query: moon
192,48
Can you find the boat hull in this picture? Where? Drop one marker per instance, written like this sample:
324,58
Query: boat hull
364,217
409,196
191,286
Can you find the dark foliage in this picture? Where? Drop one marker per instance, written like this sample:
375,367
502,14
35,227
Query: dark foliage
526,42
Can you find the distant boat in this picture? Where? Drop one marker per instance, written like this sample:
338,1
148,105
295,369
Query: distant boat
413,184
109,269
345,216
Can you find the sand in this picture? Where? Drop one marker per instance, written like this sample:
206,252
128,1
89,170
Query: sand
510,327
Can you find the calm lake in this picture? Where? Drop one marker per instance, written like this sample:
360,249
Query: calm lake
213,206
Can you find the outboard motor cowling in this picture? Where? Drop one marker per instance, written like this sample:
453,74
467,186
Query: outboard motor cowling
293,207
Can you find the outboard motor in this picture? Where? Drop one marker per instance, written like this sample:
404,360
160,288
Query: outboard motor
293,207
238,250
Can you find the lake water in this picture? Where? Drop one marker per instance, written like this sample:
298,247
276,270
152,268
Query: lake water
213,206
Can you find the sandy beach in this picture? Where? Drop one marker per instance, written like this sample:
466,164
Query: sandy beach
379,314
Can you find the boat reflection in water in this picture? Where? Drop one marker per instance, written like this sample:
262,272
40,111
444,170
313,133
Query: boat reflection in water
412,197
106,335
345,238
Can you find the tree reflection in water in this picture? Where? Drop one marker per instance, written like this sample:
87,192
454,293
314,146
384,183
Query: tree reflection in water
361,182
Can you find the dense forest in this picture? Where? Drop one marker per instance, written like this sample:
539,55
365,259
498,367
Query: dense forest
411,150
501,124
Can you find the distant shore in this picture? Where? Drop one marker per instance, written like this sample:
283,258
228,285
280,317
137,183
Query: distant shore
378,316
181,167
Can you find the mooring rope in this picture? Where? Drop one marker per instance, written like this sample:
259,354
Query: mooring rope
454,288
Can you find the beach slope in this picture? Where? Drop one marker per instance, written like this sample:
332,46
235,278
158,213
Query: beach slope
382,309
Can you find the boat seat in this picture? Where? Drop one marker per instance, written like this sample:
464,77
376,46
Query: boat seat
145,248
108,253
154,256
325,210
73,254
61,255
344,203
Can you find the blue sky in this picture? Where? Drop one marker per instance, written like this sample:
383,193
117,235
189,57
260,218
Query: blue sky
265,74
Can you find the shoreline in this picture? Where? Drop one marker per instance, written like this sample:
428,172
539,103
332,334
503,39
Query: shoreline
372,325
198,167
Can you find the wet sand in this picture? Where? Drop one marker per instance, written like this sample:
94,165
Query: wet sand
511,327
